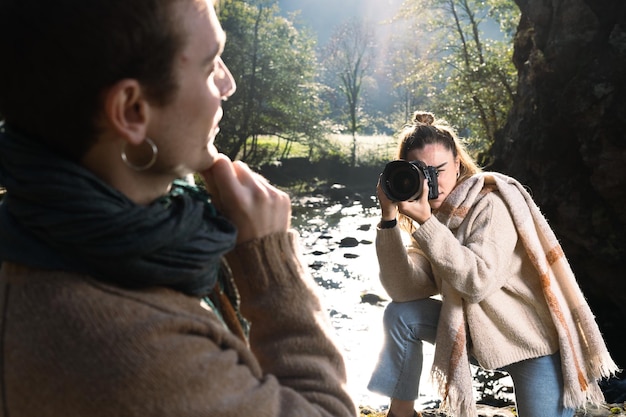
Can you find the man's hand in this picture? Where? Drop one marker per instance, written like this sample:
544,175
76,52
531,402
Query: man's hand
246,198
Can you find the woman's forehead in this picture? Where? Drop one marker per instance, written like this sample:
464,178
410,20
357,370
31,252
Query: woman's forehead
437,150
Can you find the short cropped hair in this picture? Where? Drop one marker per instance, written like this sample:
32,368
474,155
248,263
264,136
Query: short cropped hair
58,57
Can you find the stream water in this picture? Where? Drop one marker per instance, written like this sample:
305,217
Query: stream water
337,243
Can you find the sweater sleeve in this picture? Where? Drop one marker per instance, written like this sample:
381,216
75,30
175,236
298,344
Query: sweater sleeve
111,351
474,259
405,273
290,332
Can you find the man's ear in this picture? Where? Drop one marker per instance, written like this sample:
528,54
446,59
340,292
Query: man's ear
126,110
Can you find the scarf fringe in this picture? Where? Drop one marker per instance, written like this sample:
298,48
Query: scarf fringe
581,399
455,402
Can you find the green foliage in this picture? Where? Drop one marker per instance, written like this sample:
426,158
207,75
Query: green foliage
455,70
371,150
348,61
506,13
272,148
616,410
274,66
440,61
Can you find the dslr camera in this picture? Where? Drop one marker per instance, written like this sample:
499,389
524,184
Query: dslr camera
403,181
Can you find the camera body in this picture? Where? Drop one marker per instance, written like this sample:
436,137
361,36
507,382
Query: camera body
403,180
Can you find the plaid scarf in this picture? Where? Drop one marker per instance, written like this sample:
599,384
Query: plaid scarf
584,356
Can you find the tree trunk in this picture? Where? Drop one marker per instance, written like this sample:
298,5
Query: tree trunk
566,140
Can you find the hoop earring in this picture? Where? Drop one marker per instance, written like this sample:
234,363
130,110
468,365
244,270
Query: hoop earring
151,162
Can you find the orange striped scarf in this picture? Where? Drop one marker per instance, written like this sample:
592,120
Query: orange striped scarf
584,356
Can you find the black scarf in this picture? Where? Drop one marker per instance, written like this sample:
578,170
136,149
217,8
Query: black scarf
58,215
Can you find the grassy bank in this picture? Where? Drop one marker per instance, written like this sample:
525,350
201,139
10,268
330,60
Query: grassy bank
369,150
300,173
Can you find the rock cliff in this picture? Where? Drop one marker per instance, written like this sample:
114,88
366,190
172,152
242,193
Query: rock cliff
566,140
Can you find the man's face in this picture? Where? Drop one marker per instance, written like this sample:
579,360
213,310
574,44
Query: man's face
185,129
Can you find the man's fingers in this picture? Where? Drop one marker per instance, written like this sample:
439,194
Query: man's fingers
221,176
246,176
255,206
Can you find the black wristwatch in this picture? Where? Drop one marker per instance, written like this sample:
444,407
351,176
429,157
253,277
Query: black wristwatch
388,224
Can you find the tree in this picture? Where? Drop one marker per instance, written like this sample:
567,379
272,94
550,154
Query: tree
405,69
565,141
274,66
348,61
466,77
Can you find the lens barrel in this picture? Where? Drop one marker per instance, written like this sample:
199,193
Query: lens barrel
402,181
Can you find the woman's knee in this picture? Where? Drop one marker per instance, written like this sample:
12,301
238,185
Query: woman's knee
411,314
396,313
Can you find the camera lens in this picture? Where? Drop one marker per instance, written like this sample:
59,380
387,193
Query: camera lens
402,181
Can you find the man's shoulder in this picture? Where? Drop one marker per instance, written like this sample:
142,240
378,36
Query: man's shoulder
78,297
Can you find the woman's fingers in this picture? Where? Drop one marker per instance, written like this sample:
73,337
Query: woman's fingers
418,210
389,208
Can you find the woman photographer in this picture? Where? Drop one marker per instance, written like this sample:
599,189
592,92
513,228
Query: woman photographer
508,298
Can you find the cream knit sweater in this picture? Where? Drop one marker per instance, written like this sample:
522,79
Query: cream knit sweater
506,313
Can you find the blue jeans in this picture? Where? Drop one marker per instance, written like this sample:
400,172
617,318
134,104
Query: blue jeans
538,382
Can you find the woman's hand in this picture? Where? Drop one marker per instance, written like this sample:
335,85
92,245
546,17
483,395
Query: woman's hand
246,198
389,208
418,210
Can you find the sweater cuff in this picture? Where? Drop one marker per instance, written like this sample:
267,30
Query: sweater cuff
388,236
261,263
425,232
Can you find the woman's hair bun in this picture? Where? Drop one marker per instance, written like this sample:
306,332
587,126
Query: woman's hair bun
423,117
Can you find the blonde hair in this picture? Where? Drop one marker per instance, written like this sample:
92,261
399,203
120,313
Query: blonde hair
424,130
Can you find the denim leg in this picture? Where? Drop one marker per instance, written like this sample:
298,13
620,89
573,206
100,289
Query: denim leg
399,367
538,386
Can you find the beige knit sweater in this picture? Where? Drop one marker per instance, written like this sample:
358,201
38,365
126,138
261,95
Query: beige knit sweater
73,346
